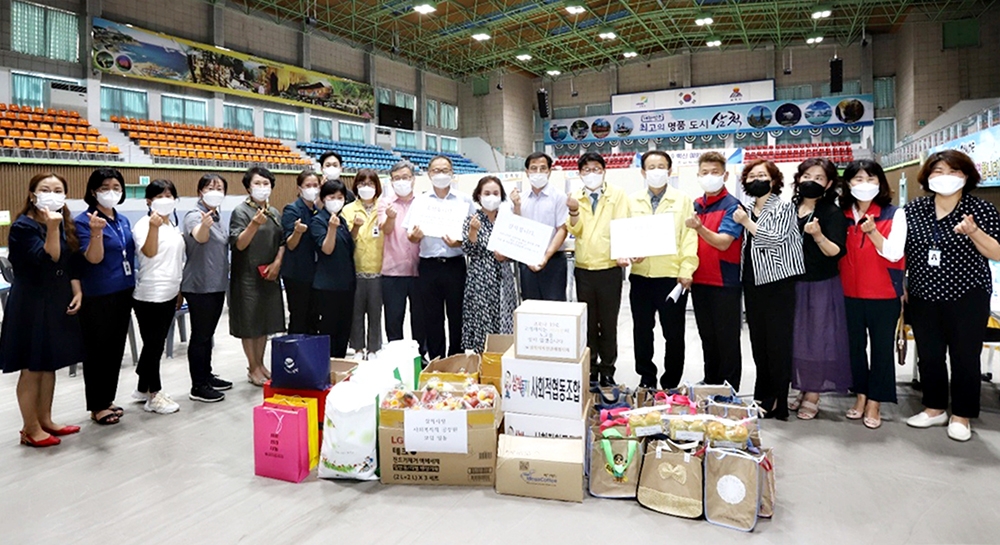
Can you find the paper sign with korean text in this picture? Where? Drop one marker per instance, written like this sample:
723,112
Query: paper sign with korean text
520,239
644,236
550,330
436,431
437,218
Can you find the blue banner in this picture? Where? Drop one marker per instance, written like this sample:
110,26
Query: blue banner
983,148
778,115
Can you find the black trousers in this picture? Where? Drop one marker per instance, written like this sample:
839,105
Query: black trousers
154,324
873,319
336,311
648,297
302,311
602,291
958,328
395,291
548,284
204,309
441,286
770,318
104,320
719,317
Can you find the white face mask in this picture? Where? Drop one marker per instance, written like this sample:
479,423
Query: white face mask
164,206
946,184
309,194
538,180
108,199
711,182
52,201
334,206
593,181
402,187
657,178
213,198
490,202
441,181
260,193
366,192
332,173
864,191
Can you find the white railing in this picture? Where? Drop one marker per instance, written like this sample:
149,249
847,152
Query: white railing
910,149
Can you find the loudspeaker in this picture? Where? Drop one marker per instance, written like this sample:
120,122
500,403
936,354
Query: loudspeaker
543,103
836,75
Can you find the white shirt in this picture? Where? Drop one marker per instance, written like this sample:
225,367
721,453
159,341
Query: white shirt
894,244
158,278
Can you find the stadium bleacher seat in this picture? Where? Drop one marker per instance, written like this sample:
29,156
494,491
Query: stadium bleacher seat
840,153
613,160
356,156
421,158
47,134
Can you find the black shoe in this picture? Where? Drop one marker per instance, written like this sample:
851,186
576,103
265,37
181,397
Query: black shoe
217,383
206,394
608,381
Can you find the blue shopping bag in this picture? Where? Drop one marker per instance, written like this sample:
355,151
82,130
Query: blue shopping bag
300,362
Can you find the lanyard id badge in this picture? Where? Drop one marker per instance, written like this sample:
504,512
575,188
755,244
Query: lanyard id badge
375,231
120,235
934,253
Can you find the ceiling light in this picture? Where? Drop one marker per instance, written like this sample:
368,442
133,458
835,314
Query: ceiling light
607,33
522,55
703,19
480,35
630,54
575,8
553,71
812,40
424,8
821,12
713,42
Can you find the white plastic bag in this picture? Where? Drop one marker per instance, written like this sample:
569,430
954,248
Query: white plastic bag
405,355
349,433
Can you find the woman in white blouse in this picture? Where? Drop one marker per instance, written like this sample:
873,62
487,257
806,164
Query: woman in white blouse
157,289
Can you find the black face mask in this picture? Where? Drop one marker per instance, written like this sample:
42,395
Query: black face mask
811,190
757,188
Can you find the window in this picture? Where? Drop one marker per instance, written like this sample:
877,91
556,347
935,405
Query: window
431,114
406,139
843,135
751,140
634,147
793,93
449,145
321,129
449,117
851,87
384,96
884,135
237,117
44,32
540,146
599,109
123,103
788,138
351,132
29,90
184,110
717,141
566,112
432,142
280,125
885,93
668,145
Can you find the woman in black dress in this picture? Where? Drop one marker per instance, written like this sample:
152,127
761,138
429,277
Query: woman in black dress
41,332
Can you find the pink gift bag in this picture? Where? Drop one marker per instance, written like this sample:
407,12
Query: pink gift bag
281,443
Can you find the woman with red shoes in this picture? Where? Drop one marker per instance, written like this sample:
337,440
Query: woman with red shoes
41,332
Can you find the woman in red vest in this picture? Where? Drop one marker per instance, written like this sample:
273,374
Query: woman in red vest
872,276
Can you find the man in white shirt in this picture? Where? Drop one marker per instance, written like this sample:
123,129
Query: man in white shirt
544,204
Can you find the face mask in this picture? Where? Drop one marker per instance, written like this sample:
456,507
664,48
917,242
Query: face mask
309,194
108,199
213,198
538,180
441,181
864,191
366,192
334,206
402,187
656,178
332,173
490,202
593,181
946,184
260,193
711,182
757,188
811,190
164,206
53,201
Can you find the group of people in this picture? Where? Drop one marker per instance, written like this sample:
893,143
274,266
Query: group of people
821,278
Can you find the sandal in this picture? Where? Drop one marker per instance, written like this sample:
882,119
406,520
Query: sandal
255,381
106,420
794,406
873,423
854,414
808,410
117,410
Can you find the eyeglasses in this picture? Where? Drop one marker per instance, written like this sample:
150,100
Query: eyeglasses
597,170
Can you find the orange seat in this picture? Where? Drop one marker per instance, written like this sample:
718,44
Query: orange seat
65,146
3,107
78,147
6,123
92,139
42,135
102,139
114,150
53,145
33,126
9,143
28,134
24,144
15,108
38,145
20,125
14,133
91,148
80,138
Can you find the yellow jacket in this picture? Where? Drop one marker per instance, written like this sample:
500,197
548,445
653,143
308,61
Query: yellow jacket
369,239
685,262
593,228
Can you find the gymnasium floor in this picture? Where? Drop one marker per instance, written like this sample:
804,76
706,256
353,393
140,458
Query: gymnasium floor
188,478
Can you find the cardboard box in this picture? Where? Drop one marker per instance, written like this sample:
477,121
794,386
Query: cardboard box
490,366
341,369
537,467
457,369
319,395
530,425
546,388
474,468
550,330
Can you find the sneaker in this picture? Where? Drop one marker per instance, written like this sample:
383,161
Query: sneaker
206,394
958,431
219,384
139,397
161,403
924,420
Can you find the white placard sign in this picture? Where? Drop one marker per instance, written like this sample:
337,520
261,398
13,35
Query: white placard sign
437,218
644,236
520,239
436,431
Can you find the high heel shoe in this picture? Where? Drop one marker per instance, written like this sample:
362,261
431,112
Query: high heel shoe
65,430
49,441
